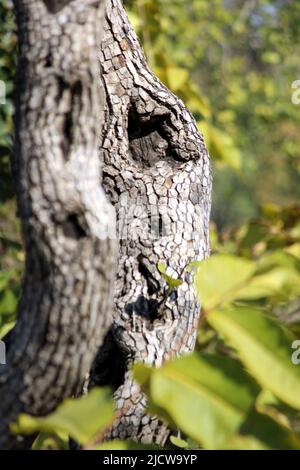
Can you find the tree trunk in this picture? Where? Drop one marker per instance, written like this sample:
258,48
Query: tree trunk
65,308
157,174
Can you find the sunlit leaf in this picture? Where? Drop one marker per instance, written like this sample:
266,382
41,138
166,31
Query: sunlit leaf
180,443
8,302
176,77
219,278
264,347
207,397
172,282
221,146
81,418
6,327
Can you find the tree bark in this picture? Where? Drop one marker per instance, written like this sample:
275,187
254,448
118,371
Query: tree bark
67,221
157,174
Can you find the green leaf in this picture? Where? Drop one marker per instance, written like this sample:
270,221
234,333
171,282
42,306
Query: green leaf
224,278
278,281
261,432
81,418
267,403
294,250
279,259
221,146
267,434
254,232
278,273
207,397
193,266
172,282
181,444
264,347
6,327
271,57
196,101
219,278
46,441
8,302
5,277
176,77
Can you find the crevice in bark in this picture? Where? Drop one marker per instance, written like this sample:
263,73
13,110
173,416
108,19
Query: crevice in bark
152,283
147,146
63,85
71,94
143,309
72,227
109,367
151,137
54,6
49,60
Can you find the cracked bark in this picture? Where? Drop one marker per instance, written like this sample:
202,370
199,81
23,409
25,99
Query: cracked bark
65,309
157,174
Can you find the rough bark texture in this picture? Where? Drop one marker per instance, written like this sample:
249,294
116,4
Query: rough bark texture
65,308
157,174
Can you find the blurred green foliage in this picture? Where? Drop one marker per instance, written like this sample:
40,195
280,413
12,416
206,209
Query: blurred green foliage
82,419
233,63
11,255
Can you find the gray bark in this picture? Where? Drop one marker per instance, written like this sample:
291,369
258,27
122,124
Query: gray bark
65,308
157,174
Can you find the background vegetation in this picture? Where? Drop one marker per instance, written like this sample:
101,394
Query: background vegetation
233,62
